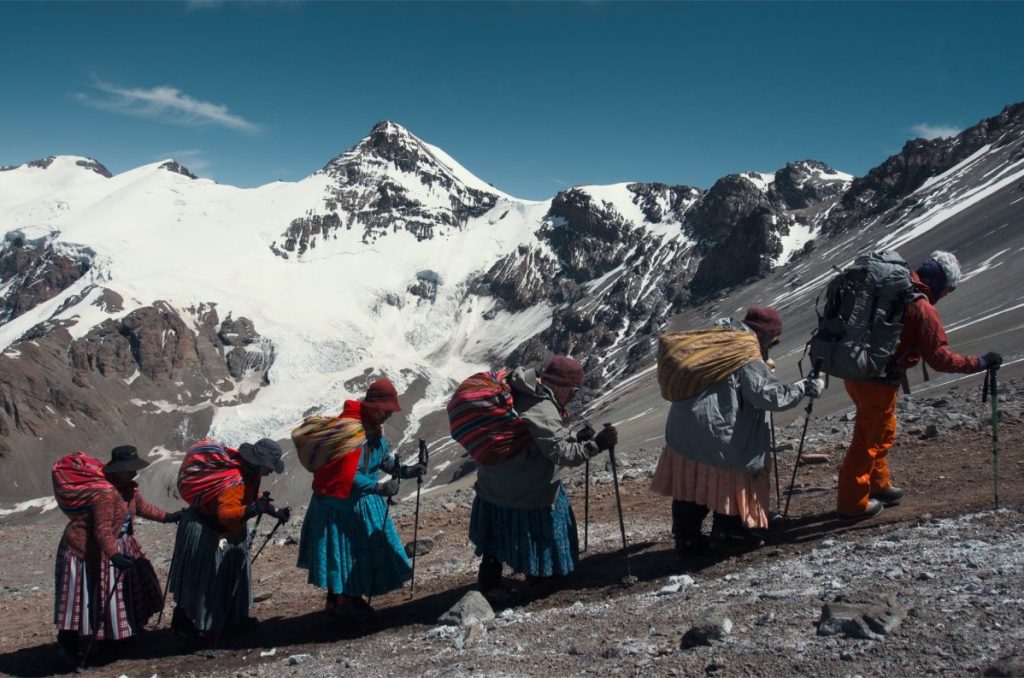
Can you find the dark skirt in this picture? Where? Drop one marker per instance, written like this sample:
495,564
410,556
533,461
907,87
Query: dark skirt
211,579
539,542
86,590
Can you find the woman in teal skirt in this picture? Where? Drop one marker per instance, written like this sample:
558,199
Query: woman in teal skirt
349,545
521,514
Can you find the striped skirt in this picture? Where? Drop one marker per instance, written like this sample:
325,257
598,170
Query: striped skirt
85,591
538,542
727,491
351,547
210,577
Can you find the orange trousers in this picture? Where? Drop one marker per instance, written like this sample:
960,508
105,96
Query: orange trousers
865,468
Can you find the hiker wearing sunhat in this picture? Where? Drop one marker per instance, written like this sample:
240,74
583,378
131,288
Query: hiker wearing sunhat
717,434
210,575
521,515
349,544
101,570
865,485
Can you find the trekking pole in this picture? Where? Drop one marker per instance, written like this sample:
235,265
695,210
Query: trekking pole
803,437
629,579
775,461
991,388
280,522
167,587
424,459
586,502
101,621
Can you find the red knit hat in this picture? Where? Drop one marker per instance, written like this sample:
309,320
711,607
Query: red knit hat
562,371
765,321
382,396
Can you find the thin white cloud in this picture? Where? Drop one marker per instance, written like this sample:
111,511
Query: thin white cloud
928,131
165,104
193,5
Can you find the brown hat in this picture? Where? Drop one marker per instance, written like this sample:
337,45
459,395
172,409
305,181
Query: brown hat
766,322
124,458
562,371
382,396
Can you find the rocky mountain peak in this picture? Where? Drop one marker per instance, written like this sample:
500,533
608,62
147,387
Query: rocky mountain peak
807,182
90,164
177,168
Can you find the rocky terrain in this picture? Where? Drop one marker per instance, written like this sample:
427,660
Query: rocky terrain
927,588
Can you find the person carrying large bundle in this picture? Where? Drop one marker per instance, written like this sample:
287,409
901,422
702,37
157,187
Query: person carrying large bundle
105,586
717,434
349,544
521,515
211,578
880,320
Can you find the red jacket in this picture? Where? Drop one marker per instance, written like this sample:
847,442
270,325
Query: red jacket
924,337
93,535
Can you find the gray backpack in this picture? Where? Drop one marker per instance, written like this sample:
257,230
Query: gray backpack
860,325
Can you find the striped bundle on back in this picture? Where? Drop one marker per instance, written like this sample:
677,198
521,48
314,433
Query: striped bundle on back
691,362
77,479
207,470
483,419
319,440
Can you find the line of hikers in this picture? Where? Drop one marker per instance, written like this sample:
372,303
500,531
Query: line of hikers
516,425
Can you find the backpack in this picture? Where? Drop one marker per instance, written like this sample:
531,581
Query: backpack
483,419
208,469
319,440
691,362
861,323
77,480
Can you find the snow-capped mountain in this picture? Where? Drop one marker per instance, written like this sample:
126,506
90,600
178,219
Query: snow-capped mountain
157,307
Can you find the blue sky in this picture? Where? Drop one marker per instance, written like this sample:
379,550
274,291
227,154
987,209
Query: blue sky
532,97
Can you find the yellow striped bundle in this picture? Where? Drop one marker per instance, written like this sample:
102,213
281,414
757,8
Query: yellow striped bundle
691,362
319,440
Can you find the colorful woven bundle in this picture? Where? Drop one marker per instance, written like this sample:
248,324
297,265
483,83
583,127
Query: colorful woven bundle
319,440
207,470
77,479
691,362
483,419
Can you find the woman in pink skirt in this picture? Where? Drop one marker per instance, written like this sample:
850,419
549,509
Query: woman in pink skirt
716,446
105,586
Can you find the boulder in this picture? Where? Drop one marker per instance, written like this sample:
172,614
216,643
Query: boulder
861,617
713,624
471,607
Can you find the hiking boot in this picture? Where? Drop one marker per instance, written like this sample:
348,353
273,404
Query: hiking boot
890,496
182,626
692,546
873,509
488,577
353,607
729,534
67,644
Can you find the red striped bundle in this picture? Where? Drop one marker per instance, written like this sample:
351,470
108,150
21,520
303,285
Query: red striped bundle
207,470
77,480
483,419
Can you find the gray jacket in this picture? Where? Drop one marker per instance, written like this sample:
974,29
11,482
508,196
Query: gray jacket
725,424
530,479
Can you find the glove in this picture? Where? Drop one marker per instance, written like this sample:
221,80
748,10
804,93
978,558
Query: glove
388,489
607,438
122,562
813,388
262,505
390,466
584,434
173,516
283,514
991,361
412,471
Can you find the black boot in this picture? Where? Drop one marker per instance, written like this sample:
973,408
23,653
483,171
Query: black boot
488,577
67,643
730,534
687,518
182,626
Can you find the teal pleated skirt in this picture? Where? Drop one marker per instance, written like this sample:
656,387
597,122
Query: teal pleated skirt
351,547
539,542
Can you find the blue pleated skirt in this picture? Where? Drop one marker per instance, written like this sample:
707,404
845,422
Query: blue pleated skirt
350,547
538,542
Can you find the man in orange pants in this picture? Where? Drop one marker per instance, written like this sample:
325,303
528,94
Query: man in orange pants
864,482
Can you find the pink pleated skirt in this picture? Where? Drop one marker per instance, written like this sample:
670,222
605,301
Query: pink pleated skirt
723,490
